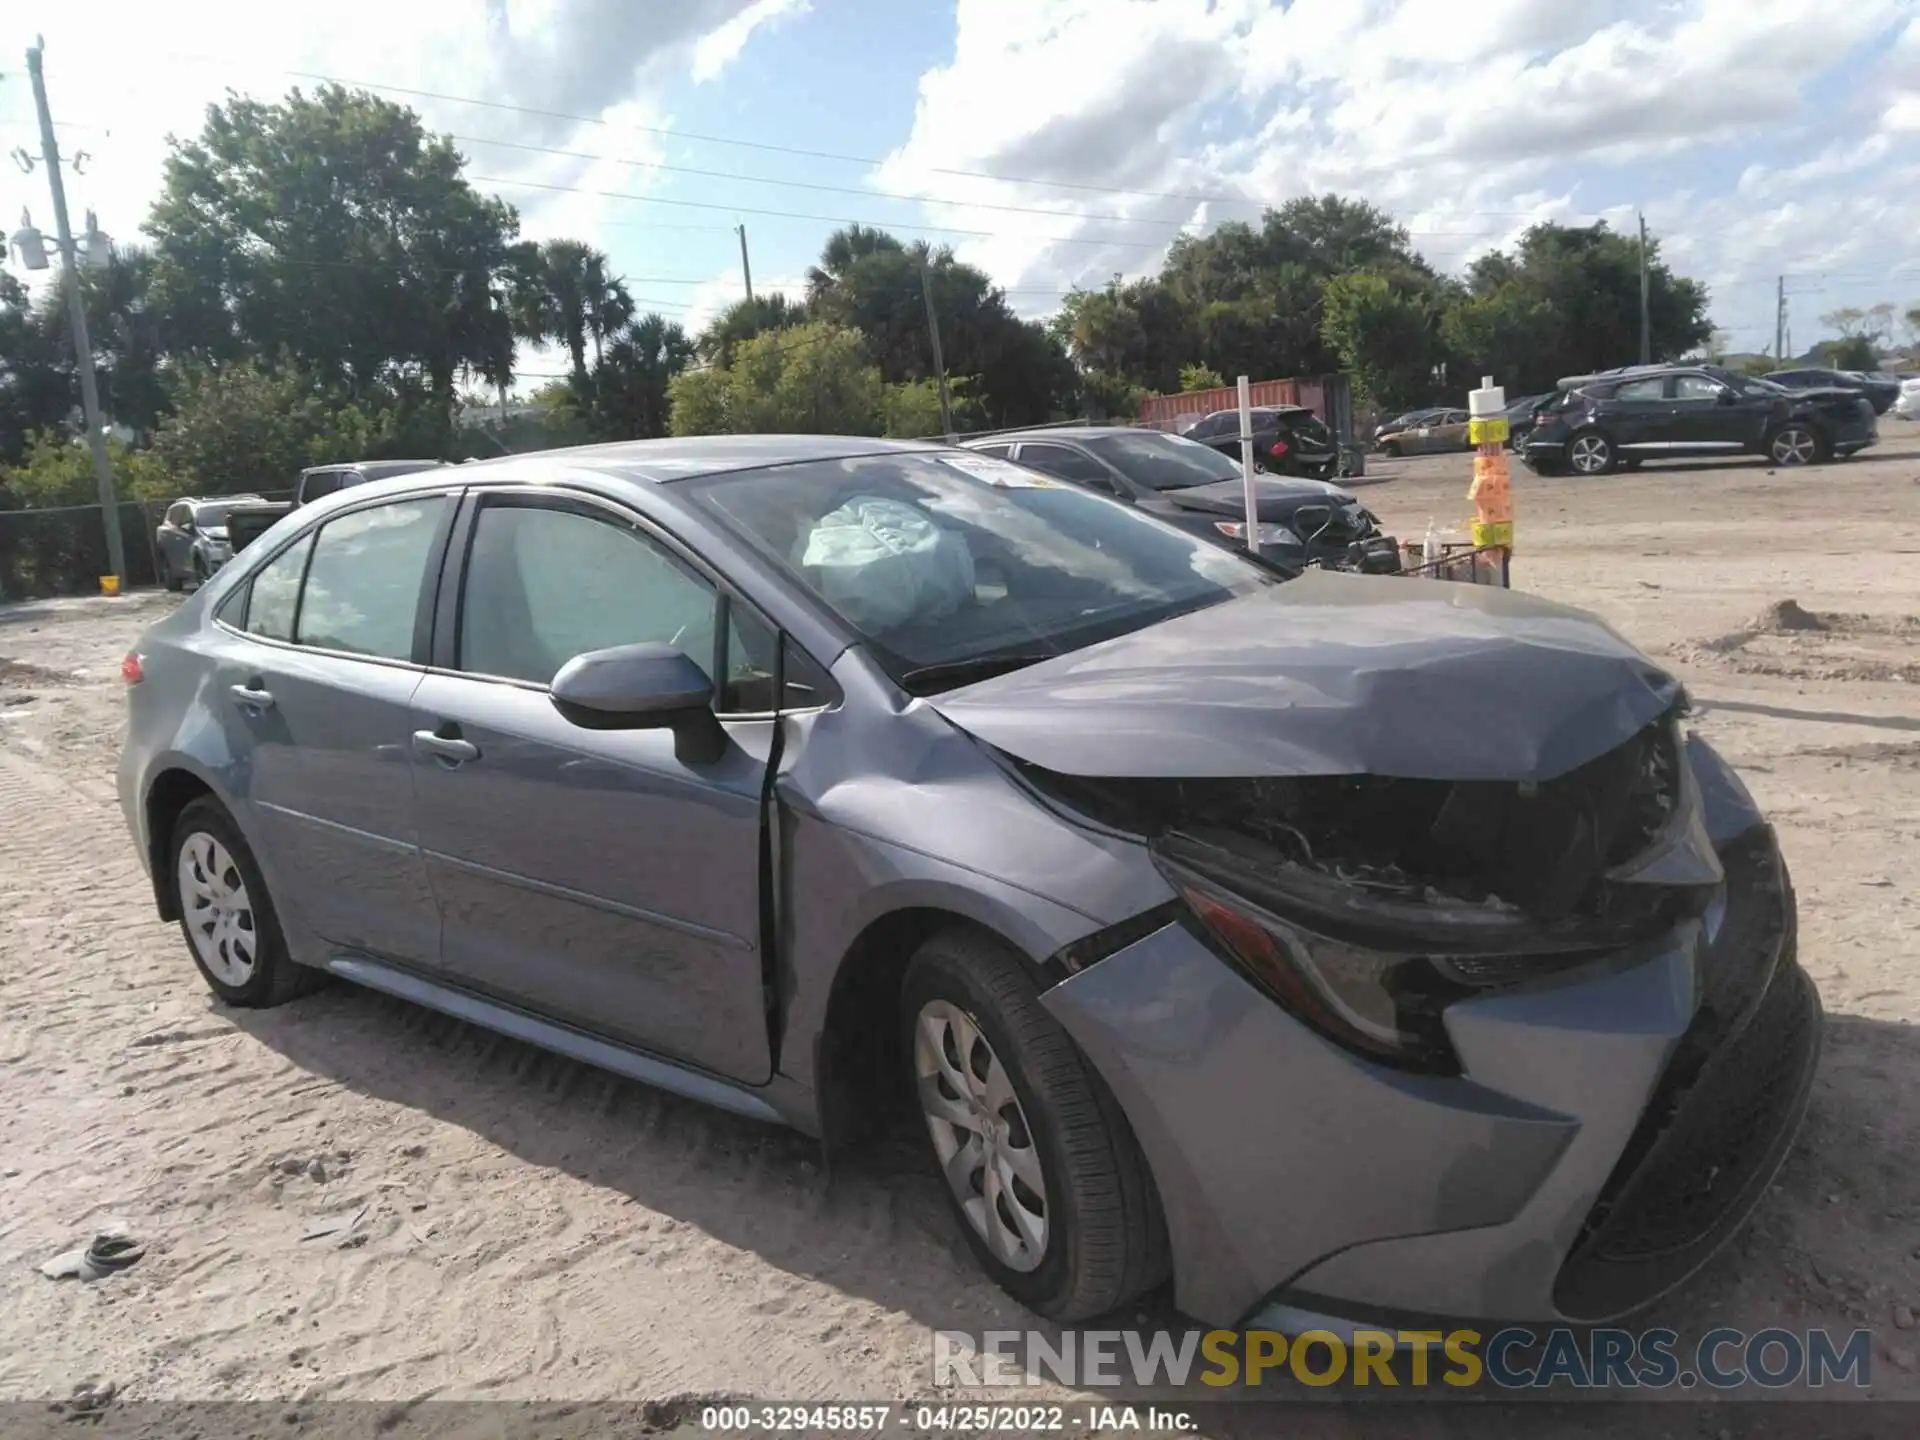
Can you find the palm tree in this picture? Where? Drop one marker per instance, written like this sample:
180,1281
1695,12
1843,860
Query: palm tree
845,249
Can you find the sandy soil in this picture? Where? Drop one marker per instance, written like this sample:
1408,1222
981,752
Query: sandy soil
530,1228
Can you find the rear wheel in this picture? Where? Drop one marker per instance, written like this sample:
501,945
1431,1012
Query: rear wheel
1043,1172
1795,444
168,578
226,914
1590,453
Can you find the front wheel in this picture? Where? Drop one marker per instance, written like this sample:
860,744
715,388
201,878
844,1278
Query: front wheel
1794,444
1590,453
1042,1170
1391,450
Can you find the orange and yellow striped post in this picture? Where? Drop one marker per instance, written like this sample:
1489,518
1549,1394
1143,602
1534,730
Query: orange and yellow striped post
1492,498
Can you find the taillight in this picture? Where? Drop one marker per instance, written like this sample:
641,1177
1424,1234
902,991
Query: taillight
1279,446
130,670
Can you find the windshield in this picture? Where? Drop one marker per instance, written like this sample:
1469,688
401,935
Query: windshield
956,564
213,517
1163,462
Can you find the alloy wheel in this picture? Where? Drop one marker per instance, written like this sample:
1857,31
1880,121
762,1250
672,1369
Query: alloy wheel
980,1135
218,912
1590,454
1793,446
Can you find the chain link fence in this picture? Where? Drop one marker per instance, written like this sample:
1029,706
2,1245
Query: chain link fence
62,550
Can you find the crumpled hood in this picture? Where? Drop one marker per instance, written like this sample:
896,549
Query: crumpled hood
1275,499
1331,674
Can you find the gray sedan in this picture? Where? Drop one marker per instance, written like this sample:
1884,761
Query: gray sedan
1342,946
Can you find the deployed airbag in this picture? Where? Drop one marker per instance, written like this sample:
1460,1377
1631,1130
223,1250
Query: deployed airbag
882,563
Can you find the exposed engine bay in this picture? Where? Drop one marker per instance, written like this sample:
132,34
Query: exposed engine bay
1533,863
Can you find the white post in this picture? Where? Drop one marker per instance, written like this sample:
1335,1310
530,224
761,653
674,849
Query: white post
1247,490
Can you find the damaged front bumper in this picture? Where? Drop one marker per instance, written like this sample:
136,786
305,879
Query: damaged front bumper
1604,1130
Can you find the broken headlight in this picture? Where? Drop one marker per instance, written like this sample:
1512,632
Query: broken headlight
1386,1007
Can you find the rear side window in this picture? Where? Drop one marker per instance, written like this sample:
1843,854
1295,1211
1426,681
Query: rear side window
363,586
1649,389
275,592
1067,463
998,452
320,483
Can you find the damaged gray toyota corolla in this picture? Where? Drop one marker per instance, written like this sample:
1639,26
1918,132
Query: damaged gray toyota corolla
1342,947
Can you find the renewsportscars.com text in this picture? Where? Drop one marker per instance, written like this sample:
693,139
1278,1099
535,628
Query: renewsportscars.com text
1515,1358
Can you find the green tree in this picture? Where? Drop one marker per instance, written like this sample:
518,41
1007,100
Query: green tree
334,228
1853,352
1566,301
744,319
567,294
1385,328
240,427
35,391
627,392
1199,377
813,379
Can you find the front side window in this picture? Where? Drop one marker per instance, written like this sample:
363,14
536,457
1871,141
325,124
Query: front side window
1067,463
178,515
363,586
948,564
1695,387
545,584
275,592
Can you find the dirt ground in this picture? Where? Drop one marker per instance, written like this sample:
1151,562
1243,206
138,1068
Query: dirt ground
530,1228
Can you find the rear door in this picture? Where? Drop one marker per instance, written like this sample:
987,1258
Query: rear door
320,653
1705,416
1637,416
591,875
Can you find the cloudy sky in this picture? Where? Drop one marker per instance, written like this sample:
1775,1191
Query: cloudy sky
1057,142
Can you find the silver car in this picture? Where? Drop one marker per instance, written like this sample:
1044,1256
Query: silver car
191,540
1340,947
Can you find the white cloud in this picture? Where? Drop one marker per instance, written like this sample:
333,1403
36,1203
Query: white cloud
1468,131
719,47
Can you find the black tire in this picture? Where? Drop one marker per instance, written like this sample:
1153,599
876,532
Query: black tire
1106,1236
173,582
1391,449
1591,443
275,977
1796,443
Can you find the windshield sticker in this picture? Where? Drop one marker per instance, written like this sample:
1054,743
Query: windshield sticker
1003,473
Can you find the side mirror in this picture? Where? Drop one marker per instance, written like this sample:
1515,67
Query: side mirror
650,686
1727,397
186,526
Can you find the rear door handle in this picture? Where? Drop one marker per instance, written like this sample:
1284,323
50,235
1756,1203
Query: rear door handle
443,747
250,696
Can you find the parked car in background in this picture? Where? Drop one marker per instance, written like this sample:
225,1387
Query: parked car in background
191,542
1197,489
1882,390
1427,434
245,524
1522,414
1669,412
1287,440
1338,946
1406,418
1907,407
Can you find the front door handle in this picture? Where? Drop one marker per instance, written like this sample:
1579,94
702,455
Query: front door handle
251,696
448,748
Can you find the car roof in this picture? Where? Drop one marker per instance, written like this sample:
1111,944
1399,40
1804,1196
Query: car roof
1053,432
376,469
687,458
218,499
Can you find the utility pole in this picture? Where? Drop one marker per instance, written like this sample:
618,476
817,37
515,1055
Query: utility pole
77,310
746,270
939,365
1780,321
1646,324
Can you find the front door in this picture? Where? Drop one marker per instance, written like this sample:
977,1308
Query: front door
1639,416
317,669
590,875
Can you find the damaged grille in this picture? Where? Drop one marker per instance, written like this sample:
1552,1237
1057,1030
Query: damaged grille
1723,1113
1539,849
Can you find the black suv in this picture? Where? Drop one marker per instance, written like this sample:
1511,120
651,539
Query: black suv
1882,390
1287,440
1672,412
